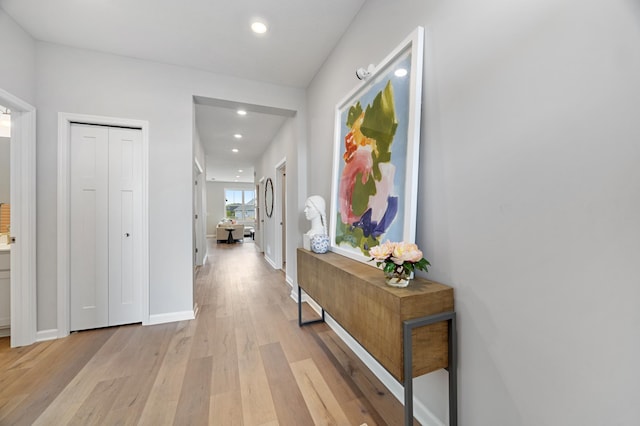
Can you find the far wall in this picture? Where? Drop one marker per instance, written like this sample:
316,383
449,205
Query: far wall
215,201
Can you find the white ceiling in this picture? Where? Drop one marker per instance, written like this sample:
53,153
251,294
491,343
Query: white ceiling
212,35
220,121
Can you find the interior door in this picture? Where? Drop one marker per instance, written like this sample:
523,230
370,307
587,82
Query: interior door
125,225
283,215
89,236
106,226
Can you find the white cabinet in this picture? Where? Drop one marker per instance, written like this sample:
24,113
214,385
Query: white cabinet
5,295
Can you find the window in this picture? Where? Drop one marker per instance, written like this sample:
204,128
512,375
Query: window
240,204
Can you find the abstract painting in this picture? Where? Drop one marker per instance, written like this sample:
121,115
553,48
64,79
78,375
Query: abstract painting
376,153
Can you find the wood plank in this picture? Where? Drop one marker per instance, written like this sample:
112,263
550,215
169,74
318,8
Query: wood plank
7,405
388,408
224,409
194,402
224,375
95,408
162,403
257,402
43,383
25,357
287,397
323,406
340,378
144,366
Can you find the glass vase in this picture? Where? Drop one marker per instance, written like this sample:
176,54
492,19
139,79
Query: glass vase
397,278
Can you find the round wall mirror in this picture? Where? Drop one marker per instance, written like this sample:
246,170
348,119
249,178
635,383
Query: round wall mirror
268,197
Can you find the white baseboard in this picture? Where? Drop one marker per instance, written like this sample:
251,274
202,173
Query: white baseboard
170,317
44,335
270,262
420,411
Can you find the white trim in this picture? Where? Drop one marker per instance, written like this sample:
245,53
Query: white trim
170,317
44,335
270,261
277,200
64,131
198,166
23,220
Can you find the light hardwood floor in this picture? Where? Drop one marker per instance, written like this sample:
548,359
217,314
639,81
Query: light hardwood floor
242,361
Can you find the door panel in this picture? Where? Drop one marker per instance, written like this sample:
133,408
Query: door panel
88,233
125,225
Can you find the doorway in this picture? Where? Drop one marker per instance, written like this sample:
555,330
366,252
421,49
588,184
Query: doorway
22,287
199,215
65,122
281,213
5,221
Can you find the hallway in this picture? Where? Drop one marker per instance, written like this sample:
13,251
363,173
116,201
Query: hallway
243,361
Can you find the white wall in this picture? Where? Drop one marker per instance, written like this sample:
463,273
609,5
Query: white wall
285,145
529,196
4,170
17,60
215,201
80,81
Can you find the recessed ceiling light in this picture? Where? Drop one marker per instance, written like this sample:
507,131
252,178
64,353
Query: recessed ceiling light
237,136
238,176
242,112
400,72
258,27
239,170
234,150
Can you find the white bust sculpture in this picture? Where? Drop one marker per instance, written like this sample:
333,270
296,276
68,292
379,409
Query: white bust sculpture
314,210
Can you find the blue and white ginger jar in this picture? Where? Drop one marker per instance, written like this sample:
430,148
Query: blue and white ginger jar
320,243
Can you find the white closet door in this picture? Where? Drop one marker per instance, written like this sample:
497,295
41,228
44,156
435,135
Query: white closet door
125,225
89,268
106,226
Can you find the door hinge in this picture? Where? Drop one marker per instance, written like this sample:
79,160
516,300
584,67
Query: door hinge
196,249
196,216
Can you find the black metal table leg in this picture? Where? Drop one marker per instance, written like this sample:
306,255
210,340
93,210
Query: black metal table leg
300,322
407,328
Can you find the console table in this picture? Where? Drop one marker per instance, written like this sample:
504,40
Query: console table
410,331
